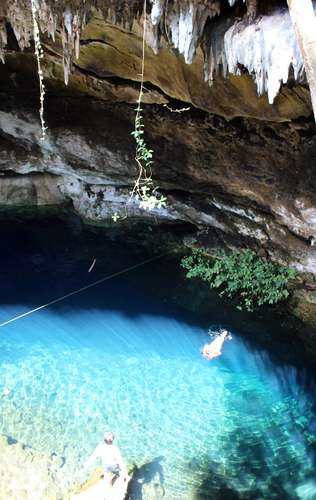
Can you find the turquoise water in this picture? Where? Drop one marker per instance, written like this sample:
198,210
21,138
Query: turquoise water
119,357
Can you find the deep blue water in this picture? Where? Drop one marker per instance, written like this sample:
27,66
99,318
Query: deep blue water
121,357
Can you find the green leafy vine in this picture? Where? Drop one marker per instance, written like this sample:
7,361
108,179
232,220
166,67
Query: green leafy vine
144,188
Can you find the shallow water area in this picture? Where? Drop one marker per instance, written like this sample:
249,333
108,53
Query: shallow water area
118,357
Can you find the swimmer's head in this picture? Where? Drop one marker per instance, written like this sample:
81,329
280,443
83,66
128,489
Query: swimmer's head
109,437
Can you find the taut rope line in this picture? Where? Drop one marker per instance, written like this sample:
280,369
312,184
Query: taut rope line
82,289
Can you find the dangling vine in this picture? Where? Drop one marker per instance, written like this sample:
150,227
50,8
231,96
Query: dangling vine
144,188
39,54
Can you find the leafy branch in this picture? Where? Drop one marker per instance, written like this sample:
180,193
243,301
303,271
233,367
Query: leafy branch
242,275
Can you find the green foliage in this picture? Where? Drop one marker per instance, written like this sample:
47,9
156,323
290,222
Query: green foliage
144,188
242,275
142,151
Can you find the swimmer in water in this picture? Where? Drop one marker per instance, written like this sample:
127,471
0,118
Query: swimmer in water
213,350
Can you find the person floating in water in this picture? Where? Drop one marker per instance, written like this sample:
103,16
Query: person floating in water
112,462
213,350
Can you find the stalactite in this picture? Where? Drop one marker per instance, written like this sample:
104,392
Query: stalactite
19,14
266,48
3,38
155,24
157,10
213,46
49,15
252,8
47,19
121,12
186,23
73,23
3,32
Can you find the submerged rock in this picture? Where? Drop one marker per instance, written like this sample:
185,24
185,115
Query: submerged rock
26,473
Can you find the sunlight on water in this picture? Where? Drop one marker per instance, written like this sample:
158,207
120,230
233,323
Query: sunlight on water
117,359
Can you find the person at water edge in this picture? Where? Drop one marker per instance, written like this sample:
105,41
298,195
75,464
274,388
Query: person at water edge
213,350
112,461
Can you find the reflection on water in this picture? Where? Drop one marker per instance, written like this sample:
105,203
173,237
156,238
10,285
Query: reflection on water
118,358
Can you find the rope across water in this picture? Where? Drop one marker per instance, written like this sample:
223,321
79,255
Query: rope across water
82,289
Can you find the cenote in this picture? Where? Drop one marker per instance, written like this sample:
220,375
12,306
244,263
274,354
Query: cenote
124,356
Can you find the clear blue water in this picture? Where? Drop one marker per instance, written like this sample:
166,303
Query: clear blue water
118,357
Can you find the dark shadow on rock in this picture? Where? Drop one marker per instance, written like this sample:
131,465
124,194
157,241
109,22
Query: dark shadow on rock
215,486
149,473
253,471
218,487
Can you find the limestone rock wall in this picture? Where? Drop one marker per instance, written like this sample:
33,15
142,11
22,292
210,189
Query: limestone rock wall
239,184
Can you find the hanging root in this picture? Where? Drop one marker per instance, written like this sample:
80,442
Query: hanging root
39,54
144,188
